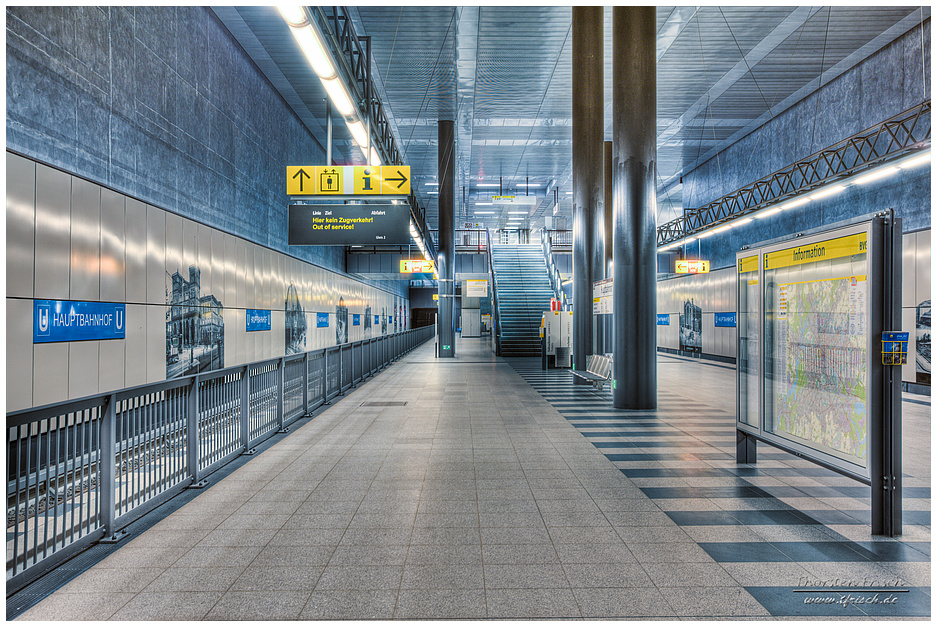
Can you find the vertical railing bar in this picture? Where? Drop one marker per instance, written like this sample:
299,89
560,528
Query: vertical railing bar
16,498
245,408
108,445
58,471
192,430
73,439
45,525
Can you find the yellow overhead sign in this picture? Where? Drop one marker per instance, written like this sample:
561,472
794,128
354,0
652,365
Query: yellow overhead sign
748,264
819,251
417,265
692,266
347,180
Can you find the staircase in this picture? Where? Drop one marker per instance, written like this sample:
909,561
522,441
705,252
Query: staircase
524,293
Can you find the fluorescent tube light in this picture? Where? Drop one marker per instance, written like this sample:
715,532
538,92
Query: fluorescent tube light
874,176
338,95
517,213
358,133
316,54
294,15
488,185
827,191
433,193
487,204
796,203
741,222
705,234
484,213
767,213
430,183
375,158
528,185
912,163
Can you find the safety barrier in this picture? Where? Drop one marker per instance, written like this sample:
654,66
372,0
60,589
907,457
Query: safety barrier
80,471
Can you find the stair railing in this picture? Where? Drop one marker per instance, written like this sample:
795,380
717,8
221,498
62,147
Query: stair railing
496,309
556,281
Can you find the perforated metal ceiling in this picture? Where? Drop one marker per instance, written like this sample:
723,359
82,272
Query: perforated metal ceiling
505,75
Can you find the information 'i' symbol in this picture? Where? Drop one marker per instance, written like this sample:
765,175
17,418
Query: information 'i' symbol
367,179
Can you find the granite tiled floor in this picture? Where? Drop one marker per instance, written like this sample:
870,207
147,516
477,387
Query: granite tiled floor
479,498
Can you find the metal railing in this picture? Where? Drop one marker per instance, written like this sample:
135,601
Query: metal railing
466,240
561,239
556,281
80,471
496,307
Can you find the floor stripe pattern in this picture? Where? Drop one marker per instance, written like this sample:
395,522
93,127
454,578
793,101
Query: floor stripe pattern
796,536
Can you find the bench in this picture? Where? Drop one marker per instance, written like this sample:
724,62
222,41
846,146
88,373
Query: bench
598,371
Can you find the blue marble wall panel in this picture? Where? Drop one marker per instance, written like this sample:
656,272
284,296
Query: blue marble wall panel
884,85
159,103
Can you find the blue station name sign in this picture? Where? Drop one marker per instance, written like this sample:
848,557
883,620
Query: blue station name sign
725,319
258,320
76,321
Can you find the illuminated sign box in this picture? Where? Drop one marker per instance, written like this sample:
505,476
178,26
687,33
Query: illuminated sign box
692,266
417,265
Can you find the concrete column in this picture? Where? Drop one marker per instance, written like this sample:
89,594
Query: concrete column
588,127
445,265
634,158
609,239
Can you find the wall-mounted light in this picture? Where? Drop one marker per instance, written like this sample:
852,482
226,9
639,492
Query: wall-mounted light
876,175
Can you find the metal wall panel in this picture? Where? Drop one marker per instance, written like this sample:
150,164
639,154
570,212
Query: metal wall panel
230,271
135,249
174,257
267,293
113,263
85,249
155,256
111,365
922,283
189,247
244,272
83,368
234,332
155,343
53,234
19,350
50,373
21,224
709,333
909,270
277,333
135,345
205,260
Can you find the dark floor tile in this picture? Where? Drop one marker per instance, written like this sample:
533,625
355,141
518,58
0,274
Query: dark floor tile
744,552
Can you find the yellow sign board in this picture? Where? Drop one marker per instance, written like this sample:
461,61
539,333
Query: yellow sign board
395,179
417,265
300,180
748,264
692,266
329,180
435,296
347,180
367,179
818,251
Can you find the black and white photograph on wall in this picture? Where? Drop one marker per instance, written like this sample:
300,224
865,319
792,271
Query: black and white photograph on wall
341,322
367,320
383,320
691,328
395,314
403,316
295,323
922,341
194,327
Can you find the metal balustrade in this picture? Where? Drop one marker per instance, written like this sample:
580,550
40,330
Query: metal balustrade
80,471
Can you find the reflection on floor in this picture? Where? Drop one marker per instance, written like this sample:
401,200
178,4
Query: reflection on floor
453,489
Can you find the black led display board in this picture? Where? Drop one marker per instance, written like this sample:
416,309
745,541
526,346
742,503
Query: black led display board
349,225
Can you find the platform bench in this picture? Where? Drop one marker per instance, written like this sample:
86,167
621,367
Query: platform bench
598,371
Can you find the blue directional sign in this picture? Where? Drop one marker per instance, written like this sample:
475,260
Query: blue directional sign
258,320
322,320
377,319
726,319
663,319
75,321
356,320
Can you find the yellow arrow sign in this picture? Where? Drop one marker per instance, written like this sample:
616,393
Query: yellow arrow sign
300,180
395,179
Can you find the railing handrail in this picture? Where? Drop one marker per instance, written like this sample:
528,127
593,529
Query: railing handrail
496,308
556,281
126,451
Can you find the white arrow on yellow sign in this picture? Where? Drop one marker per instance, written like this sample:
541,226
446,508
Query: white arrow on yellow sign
347,180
